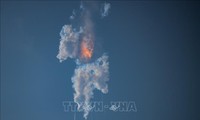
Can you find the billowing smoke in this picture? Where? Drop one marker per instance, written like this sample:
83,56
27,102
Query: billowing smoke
88,77
69,43
78,43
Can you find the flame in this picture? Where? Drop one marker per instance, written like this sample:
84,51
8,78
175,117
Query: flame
86,49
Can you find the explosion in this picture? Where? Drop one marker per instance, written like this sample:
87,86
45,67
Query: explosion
86,49
78,43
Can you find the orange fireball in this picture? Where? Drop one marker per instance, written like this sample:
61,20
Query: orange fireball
86,49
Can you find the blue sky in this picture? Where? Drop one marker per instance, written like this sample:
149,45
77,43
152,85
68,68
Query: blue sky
153,50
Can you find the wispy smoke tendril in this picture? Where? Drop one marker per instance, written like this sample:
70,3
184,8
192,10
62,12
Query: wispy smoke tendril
105,9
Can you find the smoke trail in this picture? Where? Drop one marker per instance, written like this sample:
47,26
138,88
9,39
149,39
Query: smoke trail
79,45
87,78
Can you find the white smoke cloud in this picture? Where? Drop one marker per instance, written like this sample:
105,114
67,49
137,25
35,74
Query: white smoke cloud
105,9
68,43
87,78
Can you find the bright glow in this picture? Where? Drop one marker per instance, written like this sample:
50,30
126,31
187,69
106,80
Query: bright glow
86,49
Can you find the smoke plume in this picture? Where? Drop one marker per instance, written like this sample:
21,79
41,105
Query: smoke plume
88,77
78,43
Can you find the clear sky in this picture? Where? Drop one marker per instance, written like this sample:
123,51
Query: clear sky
153,50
